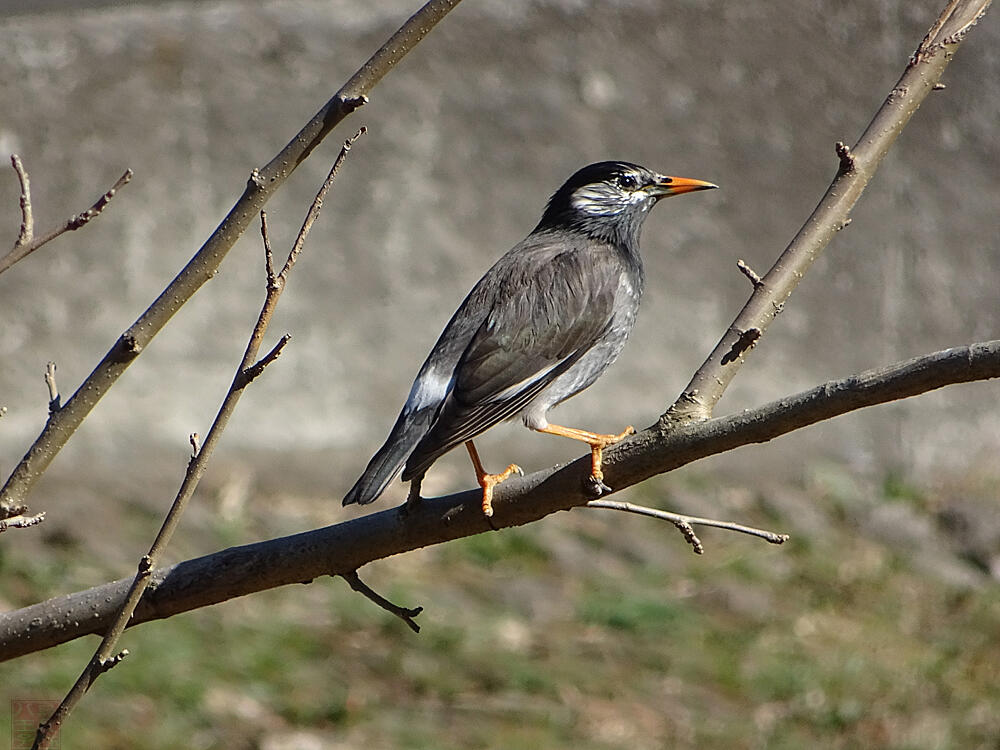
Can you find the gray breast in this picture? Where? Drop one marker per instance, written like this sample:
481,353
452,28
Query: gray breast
597,359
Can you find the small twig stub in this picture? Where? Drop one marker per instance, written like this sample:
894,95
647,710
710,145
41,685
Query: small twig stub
746,341
749,273
405,614
846,157
50,381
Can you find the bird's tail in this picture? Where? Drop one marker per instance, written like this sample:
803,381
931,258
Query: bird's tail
389,460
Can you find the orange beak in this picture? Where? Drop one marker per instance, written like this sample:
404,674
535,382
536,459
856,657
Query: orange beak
667,186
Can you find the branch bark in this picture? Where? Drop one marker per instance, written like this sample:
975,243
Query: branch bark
203,266
345,547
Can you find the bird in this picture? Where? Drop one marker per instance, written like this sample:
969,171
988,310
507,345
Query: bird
541,325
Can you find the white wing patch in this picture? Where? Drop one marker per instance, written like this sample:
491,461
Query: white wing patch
428,389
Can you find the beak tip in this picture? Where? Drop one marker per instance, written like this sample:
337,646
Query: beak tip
681,185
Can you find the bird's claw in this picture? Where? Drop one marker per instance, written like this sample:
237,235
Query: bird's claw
595,487
489,481
612,439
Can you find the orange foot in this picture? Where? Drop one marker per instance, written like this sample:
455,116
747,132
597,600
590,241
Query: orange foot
489,481
597,443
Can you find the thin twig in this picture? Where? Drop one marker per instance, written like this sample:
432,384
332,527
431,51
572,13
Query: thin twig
23,249
749,273
685,522
50,381
27,220
272,280
248,369
21,521
403,613
317,204
252,372
114,661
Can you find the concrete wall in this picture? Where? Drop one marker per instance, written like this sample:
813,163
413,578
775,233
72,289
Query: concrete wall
467,140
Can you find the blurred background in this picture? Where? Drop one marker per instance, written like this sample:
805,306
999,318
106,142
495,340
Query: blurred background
877,625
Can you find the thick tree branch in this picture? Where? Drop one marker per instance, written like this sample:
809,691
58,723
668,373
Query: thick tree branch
262,185
345,547
856,167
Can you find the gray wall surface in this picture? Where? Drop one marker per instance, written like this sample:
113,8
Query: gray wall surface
467,140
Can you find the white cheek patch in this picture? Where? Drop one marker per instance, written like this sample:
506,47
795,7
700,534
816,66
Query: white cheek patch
601,200
597,200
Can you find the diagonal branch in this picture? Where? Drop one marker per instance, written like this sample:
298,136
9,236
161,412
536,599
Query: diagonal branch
249,368
857,167
261,186
345,547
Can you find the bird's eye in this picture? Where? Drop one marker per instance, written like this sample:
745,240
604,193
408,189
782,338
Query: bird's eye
628,181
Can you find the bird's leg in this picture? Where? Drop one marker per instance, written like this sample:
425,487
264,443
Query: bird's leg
413,497
489,481
597,443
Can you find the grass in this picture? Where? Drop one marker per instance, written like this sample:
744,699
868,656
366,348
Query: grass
588,630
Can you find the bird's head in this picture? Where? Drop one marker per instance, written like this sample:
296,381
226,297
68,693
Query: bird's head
610,199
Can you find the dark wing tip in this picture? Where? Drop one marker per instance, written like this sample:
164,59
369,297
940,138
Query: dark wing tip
366,491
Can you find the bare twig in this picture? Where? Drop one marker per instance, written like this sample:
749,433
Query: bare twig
317,204
27,220
248,369
21,521
272,279
403,613
26,242
254,371
348,546
263,184
114,661
857,166
50,381
684,522
749,273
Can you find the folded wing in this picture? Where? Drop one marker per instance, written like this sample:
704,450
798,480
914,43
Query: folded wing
539,316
